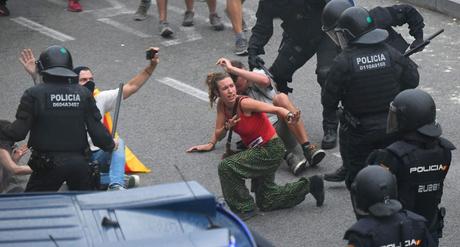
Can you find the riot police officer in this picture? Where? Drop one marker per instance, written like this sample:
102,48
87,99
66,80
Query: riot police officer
302,38
365,77
58,113
420,159
381,220
385,18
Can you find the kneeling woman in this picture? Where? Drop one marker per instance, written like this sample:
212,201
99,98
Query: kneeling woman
261,160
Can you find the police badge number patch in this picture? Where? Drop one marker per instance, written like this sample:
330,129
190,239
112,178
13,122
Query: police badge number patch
61,100
373,61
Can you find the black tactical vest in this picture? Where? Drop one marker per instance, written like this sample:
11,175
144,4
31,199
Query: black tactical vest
421,175
59,117
403,227
373,81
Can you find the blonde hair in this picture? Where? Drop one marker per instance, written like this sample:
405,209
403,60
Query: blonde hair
213,89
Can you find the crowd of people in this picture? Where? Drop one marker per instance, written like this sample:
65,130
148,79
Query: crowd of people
394,160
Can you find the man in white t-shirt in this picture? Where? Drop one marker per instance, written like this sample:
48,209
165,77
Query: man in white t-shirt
105,102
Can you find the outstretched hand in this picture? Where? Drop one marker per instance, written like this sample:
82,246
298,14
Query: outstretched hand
156,58
225,64
27,60
201,148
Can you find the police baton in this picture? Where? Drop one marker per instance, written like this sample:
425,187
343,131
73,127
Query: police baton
117,109
423,44
262,66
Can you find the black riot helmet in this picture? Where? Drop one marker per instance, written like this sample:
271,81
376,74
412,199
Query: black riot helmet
413,110
374,191
356,26
56,61
330,16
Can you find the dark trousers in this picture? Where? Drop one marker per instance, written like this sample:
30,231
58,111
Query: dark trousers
292,56
71,168
327,51
357,143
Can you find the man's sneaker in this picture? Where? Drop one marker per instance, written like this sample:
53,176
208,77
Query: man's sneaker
4,10
313,154
317,189
115,187
132,181
241,47
216,22
329,139
165,30
296,164
74,6
336,176
141,13
188,18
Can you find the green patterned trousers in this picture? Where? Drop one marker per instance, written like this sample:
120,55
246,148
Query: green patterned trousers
259,164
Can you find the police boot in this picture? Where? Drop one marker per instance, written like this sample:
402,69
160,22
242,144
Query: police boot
296,163
336,176
317,189
313,154
329,139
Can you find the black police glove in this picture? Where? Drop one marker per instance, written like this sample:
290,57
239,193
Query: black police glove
417,42
255,61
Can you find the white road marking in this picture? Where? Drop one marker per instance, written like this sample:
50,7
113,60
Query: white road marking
123,27
42,29
185,88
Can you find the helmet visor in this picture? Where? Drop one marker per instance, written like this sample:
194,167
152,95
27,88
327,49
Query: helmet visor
333,35
392,120
342,38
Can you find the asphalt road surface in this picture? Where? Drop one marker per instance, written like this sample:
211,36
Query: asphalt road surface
171,113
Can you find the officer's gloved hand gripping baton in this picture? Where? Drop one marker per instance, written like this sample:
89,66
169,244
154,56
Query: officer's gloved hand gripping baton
423,44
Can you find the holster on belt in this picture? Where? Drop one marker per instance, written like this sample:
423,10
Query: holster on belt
346,117
41,161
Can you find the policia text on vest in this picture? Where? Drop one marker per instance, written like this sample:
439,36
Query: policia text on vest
60,100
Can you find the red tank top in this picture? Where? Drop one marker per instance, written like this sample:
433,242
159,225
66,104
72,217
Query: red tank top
254,129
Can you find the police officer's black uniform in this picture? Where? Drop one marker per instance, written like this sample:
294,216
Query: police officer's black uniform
385,18
58,115
301,35
420,159
381,222
365,77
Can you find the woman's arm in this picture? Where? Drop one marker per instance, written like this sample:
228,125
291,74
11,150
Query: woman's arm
257,78
7,162
249,105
